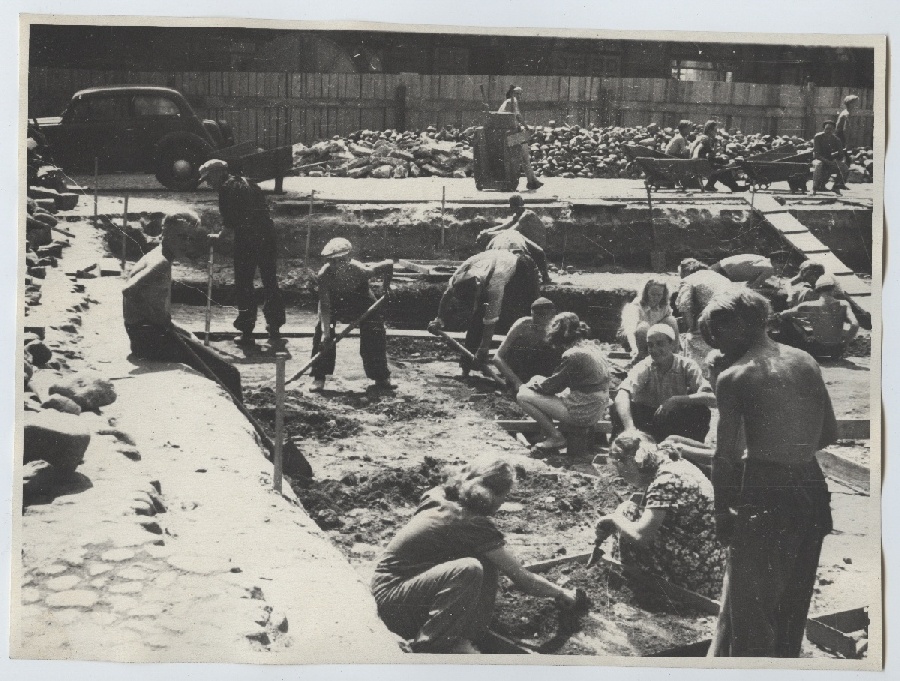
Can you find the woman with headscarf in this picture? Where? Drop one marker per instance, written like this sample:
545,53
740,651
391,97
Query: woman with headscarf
511,105
577,393
670,530
436,582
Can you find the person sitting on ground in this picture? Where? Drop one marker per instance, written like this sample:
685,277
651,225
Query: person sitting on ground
437,581
827,153
652,307
490,286
526,351
523,220
797,326
577,393
147,308
344,294
664,394
678,146
511,105
706,147
670,530
747,268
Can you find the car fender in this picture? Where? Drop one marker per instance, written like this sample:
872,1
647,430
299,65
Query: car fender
180,137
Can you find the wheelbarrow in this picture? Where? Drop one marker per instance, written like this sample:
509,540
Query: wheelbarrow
661,172
761,174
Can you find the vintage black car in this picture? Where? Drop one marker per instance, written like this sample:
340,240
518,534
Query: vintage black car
133,128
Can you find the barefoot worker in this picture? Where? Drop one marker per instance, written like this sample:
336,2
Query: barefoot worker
344,293
578,391
772,502
147,302
664,394
488,286
526,351
245,212
437,580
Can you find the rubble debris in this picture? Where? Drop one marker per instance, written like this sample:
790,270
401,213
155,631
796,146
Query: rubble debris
57,438
90,391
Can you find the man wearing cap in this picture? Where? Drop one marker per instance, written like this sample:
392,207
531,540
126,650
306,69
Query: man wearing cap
526,352
827,151
664,394
488,286
344,293
511,105
799,329
244,211
523,220
146,308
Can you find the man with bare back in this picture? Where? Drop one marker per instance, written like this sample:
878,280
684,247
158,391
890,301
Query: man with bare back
772,502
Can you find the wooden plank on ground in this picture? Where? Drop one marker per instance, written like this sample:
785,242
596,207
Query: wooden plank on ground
844,471
806,243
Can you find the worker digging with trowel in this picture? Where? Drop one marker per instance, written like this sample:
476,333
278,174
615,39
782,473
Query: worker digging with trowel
344,293
489,285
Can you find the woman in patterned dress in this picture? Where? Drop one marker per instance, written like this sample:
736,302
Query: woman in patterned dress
671,532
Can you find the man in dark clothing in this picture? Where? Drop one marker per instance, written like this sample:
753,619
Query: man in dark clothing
827,152
344,293
146,310
707,146
244,210
494,285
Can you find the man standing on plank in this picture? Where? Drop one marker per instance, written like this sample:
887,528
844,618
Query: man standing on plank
146,308
771,500
244,211
489,285
344,293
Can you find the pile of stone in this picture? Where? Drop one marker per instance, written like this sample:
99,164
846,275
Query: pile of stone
556,151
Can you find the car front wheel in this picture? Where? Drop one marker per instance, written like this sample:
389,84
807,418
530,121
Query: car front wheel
178,165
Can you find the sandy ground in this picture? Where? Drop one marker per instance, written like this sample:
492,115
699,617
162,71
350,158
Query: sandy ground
176,548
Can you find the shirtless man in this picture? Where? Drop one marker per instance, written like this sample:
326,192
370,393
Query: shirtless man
526,352
772,501
795,329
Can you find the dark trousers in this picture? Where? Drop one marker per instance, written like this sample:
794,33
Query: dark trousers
372,345
782,517
521,291
726,177
251,254
174,345
437,608
689,421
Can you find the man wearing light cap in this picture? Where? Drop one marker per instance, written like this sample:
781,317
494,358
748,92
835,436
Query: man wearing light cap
526,352
344,294
664,394
823,327
245,212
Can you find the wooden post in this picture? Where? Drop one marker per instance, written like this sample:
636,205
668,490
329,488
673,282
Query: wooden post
443,205
562,262
96,173
280,360
309,228
657,255
209,286
124,227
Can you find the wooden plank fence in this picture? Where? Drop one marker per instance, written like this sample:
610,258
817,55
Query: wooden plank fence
277,108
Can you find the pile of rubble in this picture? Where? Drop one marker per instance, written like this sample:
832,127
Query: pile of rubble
556,151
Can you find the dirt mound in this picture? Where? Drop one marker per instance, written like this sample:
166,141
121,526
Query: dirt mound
302,418
620,621
358,500
398,408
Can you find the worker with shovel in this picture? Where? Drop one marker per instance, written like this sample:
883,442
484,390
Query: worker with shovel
146,308
344,292
488,286
244,211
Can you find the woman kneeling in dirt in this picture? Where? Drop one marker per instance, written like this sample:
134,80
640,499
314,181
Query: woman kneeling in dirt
670,531
582,377
437,580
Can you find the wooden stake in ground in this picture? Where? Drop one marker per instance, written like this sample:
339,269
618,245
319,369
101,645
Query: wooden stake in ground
443,206
312,195
124,227
96,173
209,282
280,359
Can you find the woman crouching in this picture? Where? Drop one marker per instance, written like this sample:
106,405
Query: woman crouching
582,378
671,531
437,581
